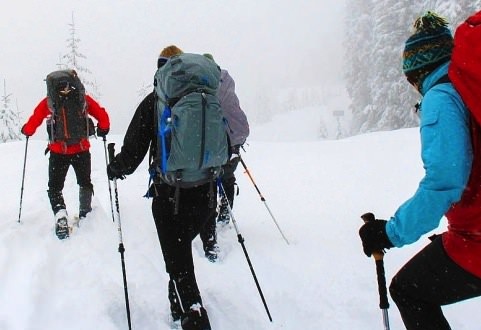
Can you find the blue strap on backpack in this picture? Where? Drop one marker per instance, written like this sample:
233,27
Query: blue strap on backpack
165,128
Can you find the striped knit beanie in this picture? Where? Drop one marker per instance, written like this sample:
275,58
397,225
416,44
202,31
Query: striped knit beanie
429,46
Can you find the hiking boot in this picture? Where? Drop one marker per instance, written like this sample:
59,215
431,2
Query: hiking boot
61,224
195,319
83,214
56,200
85,201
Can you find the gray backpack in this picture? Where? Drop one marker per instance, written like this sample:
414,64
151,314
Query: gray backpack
192,138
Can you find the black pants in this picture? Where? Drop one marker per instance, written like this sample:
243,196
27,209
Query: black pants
176,232
208,232
428,281
228,179
57,171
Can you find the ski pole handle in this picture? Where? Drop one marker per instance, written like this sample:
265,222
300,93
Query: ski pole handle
111,151
381,277
381,282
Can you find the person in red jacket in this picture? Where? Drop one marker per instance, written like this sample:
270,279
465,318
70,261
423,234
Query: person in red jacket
64,153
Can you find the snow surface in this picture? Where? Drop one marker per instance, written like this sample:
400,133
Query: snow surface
316,189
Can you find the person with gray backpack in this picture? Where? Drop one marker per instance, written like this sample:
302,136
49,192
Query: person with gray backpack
238,131
181,125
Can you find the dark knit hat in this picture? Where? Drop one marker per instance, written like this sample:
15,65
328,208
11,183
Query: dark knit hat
429,46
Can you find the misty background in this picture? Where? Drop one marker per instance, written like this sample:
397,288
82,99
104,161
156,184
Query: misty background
339,61
268,46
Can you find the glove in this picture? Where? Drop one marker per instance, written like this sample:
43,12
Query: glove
235,150
102,132
374,238
113,172
23,131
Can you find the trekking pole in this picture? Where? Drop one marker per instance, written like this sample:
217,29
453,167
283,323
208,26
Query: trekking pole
23,180
262,197
381,277
121,244
240,239
108,181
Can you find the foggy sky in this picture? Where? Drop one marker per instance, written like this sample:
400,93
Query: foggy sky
263,44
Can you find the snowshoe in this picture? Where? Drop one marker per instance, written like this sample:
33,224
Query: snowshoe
212,254
224,216
61,228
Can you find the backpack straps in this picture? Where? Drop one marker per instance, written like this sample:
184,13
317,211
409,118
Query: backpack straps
444,79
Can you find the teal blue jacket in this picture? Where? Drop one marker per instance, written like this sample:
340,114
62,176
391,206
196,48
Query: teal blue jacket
447,157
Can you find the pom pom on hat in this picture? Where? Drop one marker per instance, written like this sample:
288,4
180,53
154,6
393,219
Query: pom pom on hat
429,46
209,56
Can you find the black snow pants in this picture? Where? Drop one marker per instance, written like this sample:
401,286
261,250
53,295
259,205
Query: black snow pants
57,171
228,179
176,232
428,281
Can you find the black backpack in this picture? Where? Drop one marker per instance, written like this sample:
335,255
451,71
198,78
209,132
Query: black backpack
69,122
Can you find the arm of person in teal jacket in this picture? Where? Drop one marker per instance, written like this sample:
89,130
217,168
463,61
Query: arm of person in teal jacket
447,157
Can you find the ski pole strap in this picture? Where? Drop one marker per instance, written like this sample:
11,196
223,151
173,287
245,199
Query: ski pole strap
152,174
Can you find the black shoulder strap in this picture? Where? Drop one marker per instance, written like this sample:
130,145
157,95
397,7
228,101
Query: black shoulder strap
444,79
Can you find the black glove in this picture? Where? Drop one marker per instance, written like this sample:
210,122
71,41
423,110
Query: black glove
113,172
23,131
374,237
235,150
102,132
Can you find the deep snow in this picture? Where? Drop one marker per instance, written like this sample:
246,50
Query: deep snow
316,189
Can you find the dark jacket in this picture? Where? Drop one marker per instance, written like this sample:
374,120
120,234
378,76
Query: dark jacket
139,138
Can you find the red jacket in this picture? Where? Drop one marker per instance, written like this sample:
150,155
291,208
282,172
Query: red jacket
462,241
42,111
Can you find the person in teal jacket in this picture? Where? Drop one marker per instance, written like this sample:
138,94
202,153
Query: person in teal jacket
447,270
447,159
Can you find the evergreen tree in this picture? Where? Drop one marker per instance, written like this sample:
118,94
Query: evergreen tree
358,41
380,95
73,61
392,96
9,119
